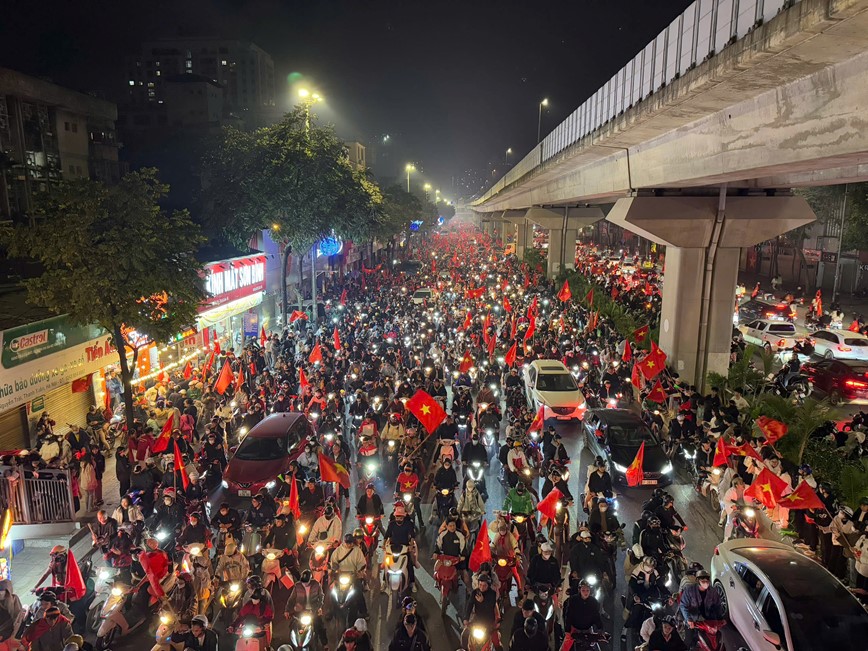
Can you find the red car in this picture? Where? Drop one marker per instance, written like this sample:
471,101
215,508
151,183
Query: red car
840,380
264,453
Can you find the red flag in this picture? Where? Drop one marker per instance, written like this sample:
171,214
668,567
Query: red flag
562,325
721,453
803,497
486,324
636,378
639,334
239,379
531,329
466,363
767,488
635,474
336,338
188,371
146,560
745,450
467,321
74,582
628,352
225,379
492,344
296,315
658,393
548,506
509,360
332,471
507,306
427,410
262,337
539,420
772,429
217,350
614,292
302,380
293,498
653,363
481,549
207,368
108,399
179,466
162,441
531,309
344,297
565,294
315,355
589,297
513,328
649,291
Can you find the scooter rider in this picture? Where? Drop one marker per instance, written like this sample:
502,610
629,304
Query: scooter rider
452,542
399,533
652,539
544,568
227,521
307,595
327,527
482,608
408,482
471,506
351,559
555,480
581,609
370,504
257,609
261,513
195,531
599,481
602,519
586,557
518,500
698,603
170,515
232,565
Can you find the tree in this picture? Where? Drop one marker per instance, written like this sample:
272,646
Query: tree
828,202
292,177
113,257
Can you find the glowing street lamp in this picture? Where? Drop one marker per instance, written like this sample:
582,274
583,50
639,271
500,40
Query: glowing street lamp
506,155
409,168
543,103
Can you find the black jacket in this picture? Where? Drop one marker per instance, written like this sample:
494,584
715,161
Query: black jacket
209,643
582,614
521,642
403,642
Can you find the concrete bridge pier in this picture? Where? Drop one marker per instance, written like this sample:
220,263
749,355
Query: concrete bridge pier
704,236
563,226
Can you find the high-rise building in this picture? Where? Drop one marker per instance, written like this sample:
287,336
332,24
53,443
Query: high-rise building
243,70
49,133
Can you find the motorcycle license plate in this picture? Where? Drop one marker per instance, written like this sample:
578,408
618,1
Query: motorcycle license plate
649,482
243,493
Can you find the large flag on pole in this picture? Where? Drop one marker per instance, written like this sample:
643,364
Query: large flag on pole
482,549
332,471
635,473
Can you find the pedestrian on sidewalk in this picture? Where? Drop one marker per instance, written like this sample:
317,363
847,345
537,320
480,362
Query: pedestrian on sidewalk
88,482
123,470
777,281
99,471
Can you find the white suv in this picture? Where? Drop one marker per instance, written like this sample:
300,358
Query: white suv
771,335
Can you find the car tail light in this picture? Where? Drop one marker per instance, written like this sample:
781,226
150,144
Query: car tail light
782,343
770,315
856,384
844,349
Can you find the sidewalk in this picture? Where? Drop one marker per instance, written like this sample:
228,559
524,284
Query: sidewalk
29,563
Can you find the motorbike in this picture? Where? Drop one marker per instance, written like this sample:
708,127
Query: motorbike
390,454
710,487
446,577
367,469
301,634
272,573
589,640
476,471
559,531
343,592
674,558
505,569
319,560
251,541
163,635
708,635
396,575
119,608
545,602
251,638
479,638
226,601
444,499
745,524
198,564
446,450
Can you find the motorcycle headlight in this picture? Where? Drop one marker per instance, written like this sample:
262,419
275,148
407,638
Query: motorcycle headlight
234,587
369,520
344,580
161,535
501,562
306,619
302,529
319,549
270,556
408,497
444,491
667,468
165,619
749,513
391,444
559,506
248,631
591,579
476,464
117,592
527,472
371,467
104,575
716,471
520,518
478,633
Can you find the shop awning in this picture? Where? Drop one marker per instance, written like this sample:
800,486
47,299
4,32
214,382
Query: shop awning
210,317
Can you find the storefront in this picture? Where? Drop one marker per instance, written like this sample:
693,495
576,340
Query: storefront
232,315
46,366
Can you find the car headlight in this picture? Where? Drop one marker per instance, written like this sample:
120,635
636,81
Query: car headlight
270,484
224,484
667,468
619,467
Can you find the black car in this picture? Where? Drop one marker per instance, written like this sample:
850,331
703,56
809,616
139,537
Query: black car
616,434
757,308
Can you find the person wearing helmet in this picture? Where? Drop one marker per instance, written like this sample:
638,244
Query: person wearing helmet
689,577
530,637
527,608
408,482
48,633
393,430
261,513
307,596
183,598
518,500
311,497
669,517
232,565
195,531
48,599
169,516
226,523
599,482
327,528
471,506
581,609
57,558
350,559
544,569
555,479
586,557
603,518
199,636
257,610
646,583
402,533
652,539
453,542
409,636
698,602
482,608
665,637
516,463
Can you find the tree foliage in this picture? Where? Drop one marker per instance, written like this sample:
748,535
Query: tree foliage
113,257
828,202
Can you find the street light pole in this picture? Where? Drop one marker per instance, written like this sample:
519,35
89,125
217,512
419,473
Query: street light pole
545,102
409,168
508,152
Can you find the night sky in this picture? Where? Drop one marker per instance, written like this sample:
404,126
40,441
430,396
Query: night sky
454,83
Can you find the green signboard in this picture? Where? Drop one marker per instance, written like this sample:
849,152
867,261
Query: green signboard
34,340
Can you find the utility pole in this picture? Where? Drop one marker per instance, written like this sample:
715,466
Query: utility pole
840,243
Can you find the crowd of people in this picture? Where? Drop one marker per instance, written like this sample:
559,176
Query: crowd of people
358,376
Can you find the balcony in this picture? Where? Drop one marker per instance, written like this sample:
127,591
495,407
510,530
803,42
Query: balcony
42,506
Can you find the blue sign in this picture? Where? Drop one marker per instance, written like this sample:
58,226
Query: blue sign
330,246
440,221
251,324
414,226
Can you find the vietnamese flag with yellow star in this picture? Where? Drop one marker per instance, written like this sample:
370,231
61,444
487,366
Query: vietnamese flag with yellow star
653,363
803,497
427,410
766,488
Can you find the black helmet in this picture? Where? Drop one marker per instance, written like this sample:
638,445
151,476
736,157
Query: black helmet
694,567
658,492
306,576
329,512
254,581
703,574
653,520
520,488
668,499
349,540
646,515
530,627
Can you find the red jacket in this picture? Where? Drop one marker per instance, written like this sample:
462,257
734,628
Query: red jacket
262,612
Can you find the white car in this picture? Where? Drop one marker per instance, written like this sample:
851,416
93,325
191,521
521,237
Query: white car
548,382
421,295
779,599
840,344
771,335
